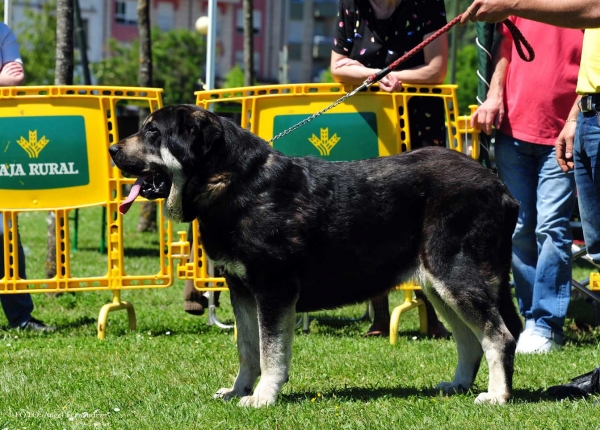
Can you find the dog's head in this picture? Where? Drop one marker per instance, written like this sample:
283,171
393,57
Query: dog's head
165,155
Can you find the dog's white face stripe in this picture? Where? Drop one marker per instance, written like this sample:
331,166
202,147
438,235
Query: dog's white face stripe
174,207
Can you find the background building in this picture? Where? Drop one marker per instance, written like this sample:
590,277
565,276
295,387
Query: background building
292,38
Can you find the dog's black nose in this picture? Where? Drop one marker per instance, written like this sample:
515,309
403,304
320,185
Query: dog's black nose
113,149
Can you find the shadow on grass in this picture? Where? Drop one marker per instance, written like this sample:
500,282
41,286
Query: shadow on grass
583,335
80,322
365,394
360,394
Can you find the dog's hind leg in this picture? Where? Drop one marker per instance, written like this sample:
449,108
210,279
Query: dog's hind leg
246,319
478,309
468,347
277,321
499,341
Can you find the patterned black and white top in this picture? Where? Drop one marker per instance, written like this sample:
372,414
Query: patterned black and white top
376,43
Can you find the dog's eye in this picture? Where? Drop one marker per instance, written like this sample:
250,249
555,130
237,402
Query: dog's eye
152,132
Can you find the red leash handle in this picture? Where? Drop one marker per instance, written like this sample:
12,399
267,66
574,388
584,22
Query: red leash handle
518,37
520,41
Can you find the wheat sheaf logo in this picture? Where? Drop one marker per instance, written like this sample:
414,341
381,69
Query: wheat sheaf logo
33,146
325,144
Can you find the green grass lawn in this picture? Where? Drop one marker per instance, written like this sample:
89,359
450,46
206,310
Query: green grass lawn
163,375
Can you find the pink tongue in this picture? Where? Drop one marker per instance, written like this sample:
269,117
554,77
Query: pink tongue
135,191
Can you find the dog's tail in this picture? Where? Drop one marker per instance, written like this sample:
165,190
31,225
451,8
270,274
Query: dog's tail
508,309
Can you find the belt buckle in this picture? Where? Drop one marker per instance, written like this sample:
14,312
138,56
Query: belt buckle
587,103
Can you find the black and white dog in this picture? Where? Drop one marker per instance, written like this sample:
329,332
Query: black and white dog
296,234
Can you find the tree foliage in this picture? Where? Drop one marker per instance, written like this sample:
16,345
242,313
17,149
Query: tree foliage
235,78
178,57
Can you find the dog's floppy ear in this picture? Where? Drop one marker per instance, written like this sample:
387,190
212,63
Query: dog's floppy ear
207,130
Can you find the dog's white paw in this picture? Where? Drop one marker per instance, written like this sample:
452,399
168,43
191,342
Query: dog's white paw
492,399
226,394
451,388
256,401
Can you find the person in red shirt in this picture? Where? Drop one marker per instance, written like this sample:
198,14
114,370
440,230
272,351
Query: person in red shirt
528,104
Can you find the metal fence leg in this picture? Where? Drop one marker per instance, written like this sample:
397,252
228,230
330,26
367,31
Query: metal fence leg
212,309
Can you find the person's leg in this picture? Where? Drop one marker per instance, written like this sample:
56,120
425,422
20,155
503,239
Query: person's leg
555,202
517,168
587,178
17,307
194,302
381,316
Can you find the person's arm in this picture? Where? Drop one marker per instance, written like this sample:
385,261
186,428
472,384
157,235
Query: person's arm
11,65
491,111
12,74
563,13
348,71
433,71
564,142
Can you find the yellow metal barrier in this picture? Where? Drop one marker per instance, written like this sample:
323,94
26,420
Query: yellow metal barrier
368,124
55,158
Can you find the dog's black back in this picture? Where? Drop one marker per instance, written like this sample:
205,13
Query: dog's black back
350,230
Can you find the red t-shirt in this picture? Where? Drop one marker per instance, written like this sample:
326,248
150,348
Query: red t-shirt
539,95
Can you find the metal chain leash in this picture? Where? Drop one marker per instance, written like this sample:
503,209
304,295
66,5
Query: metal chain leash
331,106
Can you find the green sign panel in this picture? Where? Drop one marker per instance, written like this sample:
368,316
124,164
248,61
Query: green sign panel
335,137
43,152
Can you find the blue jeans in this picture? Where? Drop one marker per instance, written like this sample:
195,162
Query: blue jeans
587,177
541,262
17,307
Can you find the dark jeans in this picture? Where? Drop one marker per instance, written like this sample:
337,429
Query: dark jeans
17,307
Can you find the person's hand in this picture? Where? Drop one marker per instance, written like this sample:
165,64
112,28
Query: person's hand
564,146
390,84
487,10
12,69
490,113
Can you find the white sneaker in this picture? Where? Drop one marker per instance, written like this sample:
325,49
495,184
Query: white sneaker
530,343
529,326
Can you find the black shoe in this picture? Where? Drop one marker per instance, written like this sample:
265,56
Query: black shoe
36,325
580,386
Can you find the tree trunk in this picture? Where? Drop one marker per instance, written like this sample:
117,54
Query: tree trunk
147,220
63,75
64,43
248,43
145,70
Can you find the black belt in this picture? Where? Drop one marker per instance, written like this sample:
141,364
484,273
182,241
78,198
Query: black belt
589,103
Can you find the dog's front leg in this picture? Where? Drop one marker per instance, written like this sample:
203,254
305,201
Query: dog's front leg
276,323
244,306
